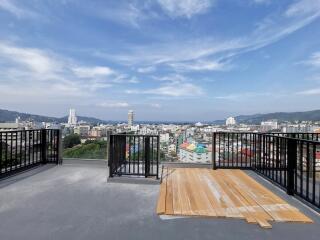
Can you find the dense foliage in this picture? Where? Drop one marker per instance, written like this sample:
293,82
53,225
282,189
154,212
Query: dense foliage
71,140
91,149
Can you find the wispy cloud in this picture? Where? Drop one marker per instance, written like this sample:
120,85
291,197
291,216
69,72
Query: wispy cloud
25,71
200,65
262,1
113,104
18,11
146,69
126,13
92,72
210,54
313,61
185,8
155,105
303,7
172,90
173,78
242,96
32,59
314,91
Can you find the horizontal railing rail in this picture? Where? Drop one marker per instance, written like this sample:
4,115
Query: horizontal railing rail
133,155
292,162
23,149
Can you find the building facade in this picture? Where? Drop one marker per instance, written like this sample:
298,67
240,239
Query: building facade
194,153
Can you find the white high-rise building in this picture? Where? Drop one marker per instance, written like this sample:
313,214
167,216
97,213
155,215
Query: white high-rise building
230,121
130,118
72,119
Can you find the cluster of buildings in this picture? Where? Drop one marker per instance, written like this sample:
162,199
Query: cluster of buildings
178,142
18,124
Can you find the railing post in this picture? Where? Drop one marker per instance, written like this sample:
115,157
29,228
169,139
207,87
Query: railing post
108,147
60,147
110,154
43,142
214,151
147,156
259,152
291,164
158,155
1,153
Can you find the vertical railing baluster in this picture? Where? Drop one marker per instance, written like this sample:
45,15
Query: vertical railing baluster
158,155
308,170
313,173
214,151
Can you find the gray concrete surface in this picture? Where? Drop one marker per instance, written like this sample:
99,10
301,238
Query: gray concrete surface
75,201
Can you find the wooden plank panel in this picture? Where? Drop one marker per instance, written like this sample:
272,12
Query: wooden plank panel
175,192
205,193
169,195
202,205
277,207
245,206
218,193
205,180
183,194
161,206
246,191
226,198
265,198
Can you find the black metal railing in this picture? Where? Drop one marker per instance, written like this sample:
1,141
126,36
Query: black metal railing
292,163
299,135
133,155
23,149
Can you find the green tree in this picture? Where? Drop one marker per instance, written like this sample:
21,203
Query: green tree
71,140
92,149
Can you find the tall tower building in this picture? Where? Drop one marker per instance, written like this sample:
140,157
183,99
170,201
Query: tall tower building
72,119
130,118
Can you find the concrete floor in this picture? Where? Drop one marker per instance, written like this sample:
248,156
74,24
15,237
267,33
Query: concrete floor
75,201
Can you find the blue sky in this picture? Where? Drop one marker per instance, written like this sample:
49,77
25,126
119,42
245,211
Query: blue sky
165,59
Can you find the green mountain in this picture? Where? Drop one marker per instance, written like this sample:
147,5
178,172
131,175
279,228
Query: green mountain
280,116
10,116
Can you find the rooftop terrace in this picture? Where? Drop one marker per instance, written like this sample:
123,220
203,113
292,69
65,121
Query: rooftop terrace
75,201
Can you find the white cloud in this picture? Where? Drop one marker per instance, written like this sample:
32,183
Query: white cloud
242,96
262,1
185,8
113,104
13,8
200,65
126,13
133,80
303,7
32,73
314,91
92,72
35,60
146,69
172,90
174,78
210,54
314,60
155,105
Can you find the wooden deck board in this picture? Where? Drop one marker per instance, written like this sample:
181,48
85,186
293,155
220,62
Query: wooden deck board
169,195
161,206
222,193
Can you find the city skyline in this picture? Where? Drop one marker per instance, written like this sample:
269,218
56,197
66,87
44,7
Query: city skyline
195,60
